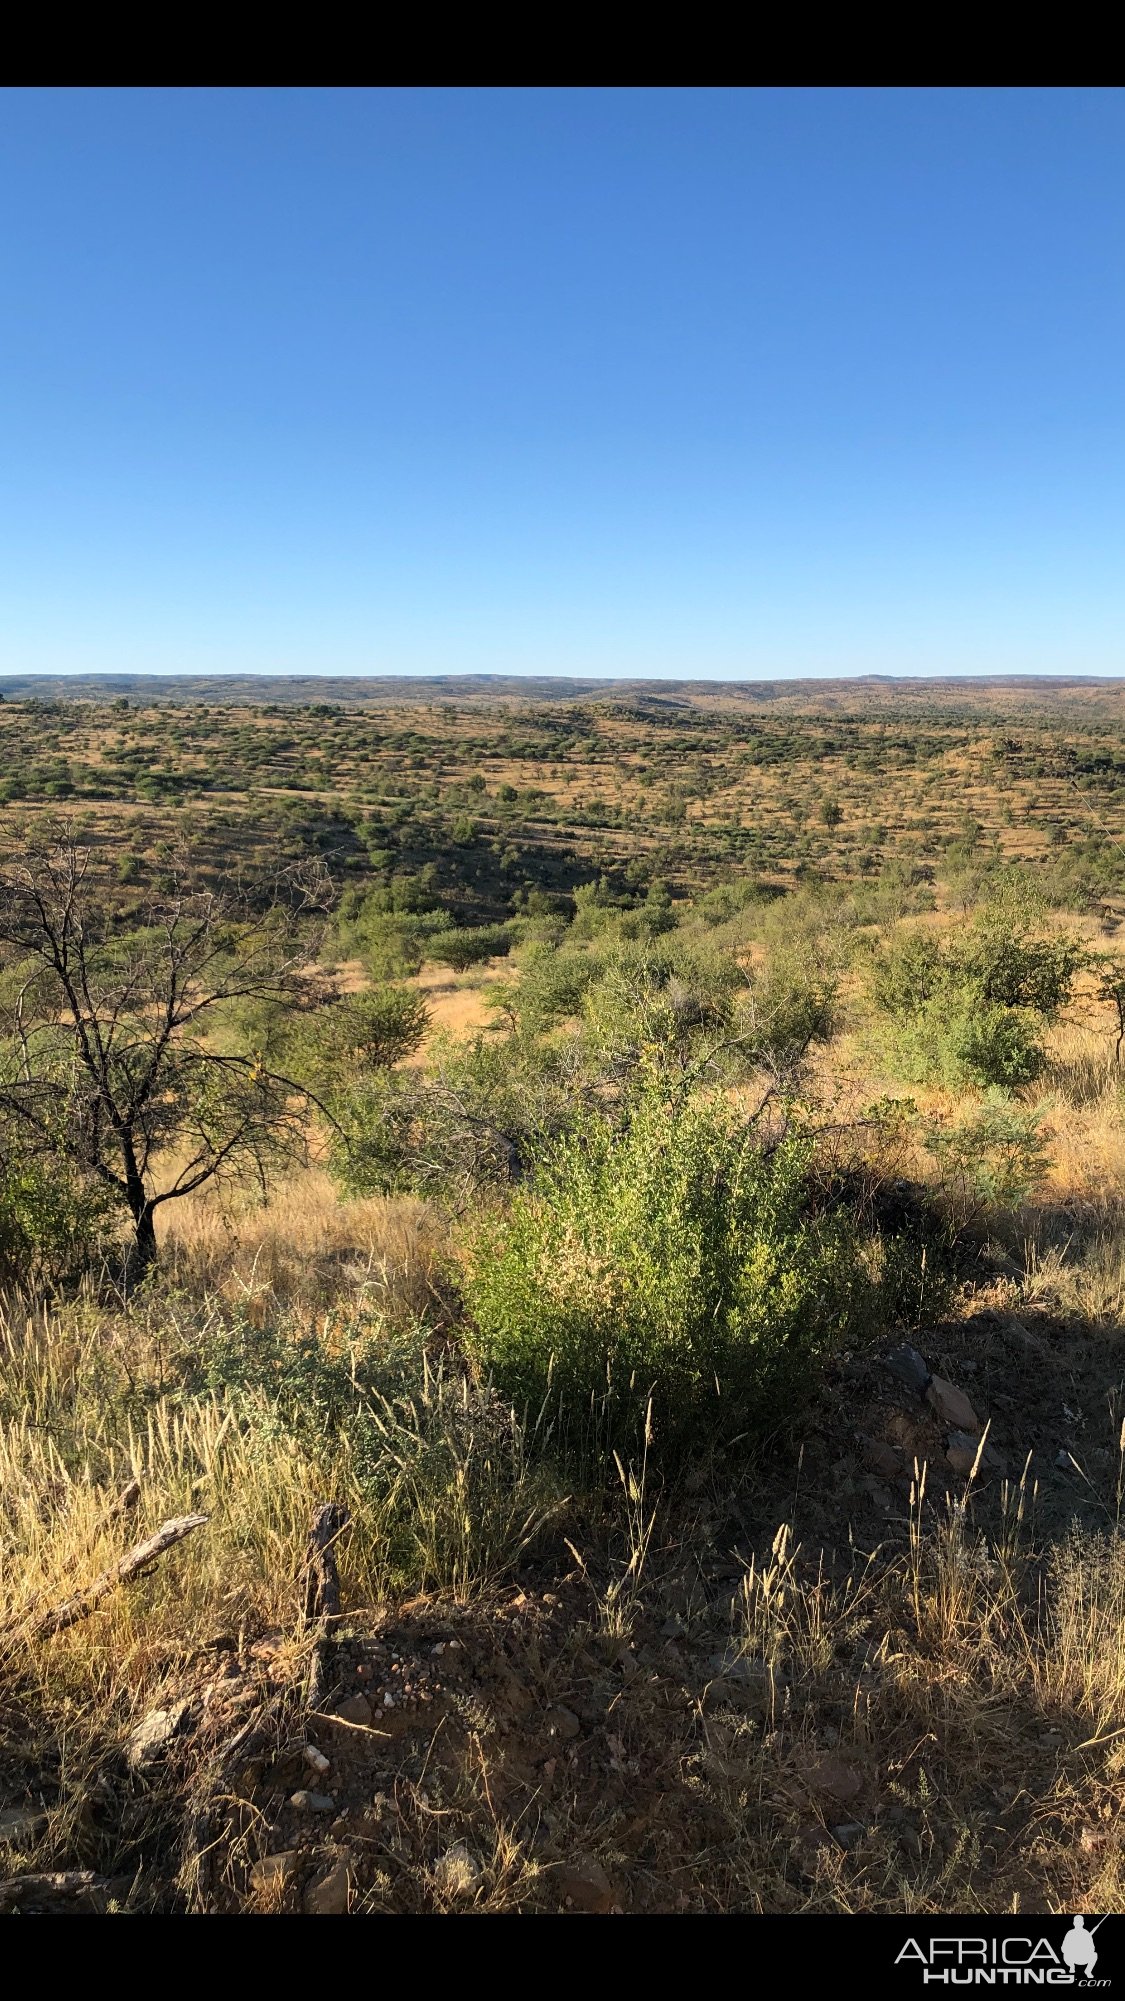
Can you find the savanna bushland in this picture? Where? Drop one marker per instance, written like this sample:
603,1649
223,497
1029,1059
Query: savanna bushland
563,1264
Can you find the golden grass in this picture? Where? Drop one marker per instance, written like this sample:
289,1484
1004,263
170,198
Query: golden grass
302,1244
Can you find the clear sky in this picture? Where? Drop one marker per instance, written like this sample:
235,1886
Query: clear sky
647,382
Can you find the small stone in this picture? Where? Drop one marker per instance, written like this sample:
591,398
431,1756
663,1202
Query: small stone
328,1896
849,1832
315,1758
151,1737
953,1405
910,1367
20,1823
354,1709
274,1872
586,1887
961,1459
308,1802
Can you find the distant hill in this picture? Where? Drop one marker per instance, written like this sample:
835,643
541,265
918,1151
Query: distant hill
392,690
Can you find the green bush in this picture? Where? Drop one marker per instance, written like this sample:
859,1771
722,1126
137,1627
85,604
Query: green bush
55,1225
471,946
993,1045
970,1011
666,1264
340,1045
995,1154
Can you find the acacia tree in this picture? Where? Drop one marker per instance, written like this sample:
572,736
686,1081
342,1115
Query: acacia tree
119,1050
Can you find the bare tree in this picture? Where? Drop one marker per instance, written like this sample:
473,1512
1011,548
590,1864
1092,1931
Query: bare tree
117,1051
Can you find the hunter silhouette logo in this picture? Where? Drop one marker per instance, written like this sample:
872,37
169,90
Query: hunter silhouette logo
1008,1959
1078,1948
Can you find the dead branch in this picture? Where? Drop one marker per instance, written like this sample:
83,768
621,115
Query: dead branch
44,1625
62,1884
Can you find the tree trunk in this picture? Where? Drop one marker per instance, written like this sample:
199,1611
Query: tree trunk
142,1251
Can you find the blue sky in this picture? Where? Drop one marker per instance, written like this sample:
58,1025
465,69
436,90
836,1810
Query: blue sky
674,383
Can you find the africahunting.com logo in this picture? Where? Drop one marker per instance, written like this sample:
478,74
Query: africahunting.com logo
1008,1959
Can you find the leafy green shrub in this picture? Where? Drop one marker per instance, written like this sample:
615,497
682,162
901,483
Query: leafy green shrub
995,1154
358,1035
55,1225
668,1259
478,1115
909,974
993,1046
968,1011
550,985
471,946
1012,971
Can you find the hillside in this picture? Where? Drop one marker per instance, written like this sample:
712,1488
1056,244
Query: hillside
603,1391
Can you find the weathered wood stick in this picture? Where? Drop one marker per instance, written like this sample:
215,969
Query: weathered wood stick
16,1890
322,1577
321,1598
43,1625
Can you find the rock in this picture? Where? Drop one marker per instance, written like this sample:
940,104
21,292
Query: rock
910,1367
961,1455
21,1823
849,1832
151,1737
961,1458
561,1724
328,1896
274,1872
307,1802
586,1887
881,1458
953,1406
457,1872
832,1776
315,1758
354,1709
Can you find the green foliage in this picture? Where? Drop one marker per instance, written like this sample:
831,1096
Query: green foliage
551,984
997,1153
1013,971
909,974
477,1116
990,1046
55,1224
461,948
345,1042
970,1010
665,1262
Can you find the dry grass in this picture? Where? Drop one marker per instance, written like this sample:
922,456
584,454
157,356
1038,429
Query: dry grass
304,1243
